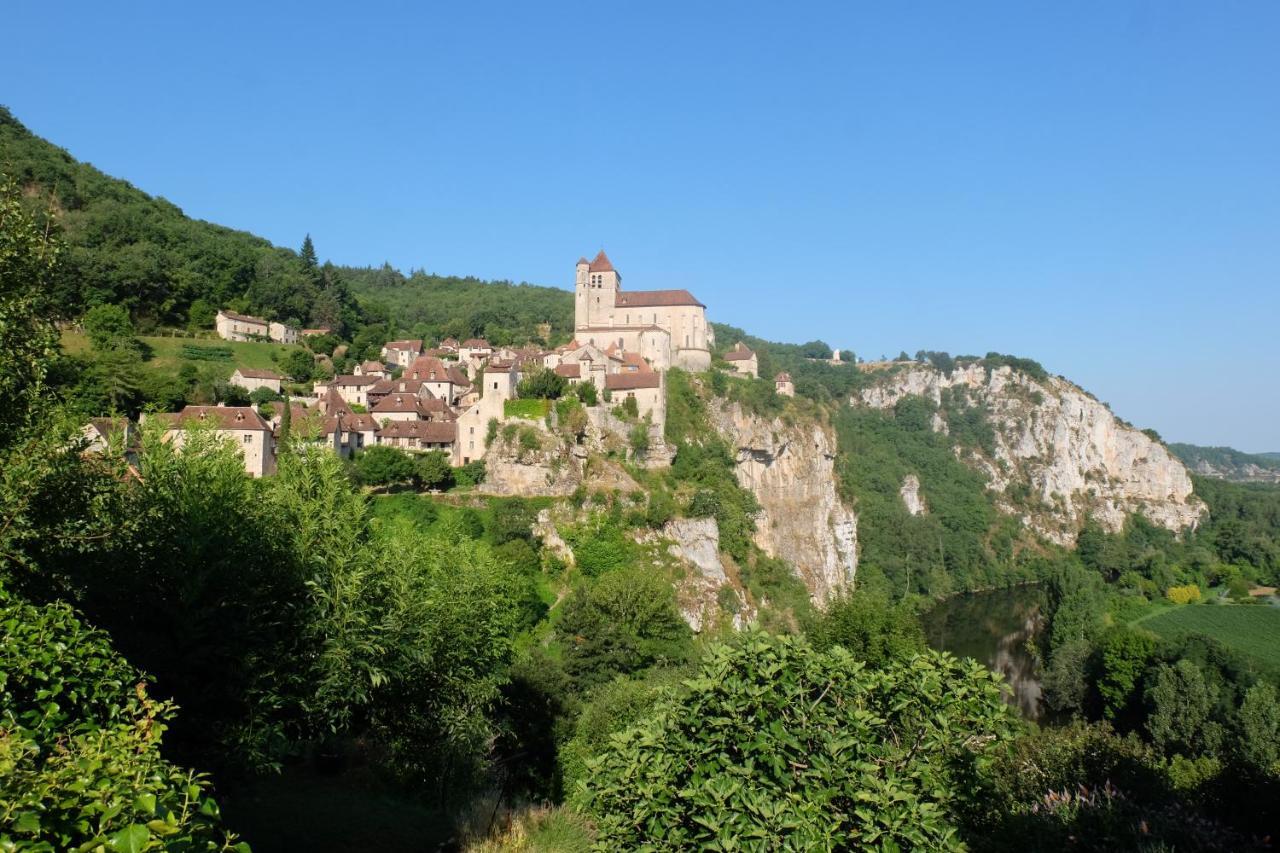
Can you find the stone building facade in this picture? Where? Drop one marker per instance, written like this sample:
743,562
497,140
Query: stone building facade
668,327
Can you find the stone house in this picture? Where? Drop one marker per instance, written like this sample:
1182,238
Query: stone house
648,389
743,361
443,380
354,390
242,425
421,436
282,334
376,369
240,327
100,432
410,407
401,353
783,385
251,379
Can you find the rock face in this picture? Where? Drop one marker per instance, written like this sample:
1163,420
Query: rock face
791,470
1060,455
551,470
910,493
705,592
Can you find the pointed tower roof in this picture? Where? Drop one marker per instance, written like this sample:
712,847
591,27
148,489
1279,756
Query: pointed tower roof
601,263
582,262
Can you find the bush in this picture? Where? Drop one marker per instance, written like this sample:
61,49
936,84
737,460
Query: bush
623,623
586,392
791,747
80,749
630,408
432,470
381,465
471,474
869,627
1183,594
639,439
543,384
264,395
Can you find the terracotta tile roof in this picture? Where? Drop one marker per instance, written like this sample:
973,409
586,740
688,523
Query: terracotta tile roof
601,263
449,343
631,381
431,369
252,373
569,371
410,345
782,377
637,361
655,299
738,353
332,403
373,365
400,403
476,343
431,432
225,417
244,318
351,380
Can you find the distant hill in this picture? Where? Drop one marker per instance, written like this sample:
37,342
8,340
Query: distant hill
1226,463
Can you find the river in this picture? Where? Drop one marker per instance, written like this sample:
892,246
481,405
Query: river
993,627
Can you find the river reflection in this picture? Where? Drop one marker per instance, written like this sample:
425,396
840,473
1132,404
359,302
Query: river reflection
993,627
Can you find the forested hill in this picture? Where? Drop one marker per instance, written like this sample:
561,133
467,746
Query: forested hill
436,306
128,248
1227,463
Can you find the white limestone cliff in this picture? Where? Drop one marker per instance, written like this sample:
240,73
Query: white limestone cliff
790,467
1057,446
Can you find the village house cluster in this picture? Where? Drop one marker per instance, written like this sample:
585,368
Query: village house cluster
420,398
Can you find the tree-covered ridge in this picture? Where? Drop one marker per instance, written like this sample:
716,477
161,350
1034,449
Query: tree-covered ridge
1226,462
434,307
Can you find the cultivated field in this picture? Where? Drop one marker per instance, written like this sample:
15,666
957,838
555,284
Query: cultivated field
167,353
1251,629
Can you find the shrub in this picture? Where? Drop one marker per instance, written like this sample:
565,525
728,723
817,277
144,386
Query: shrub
432,470
630,408
381,465
1183,594
542,384
471,474
791,747
639,439
586,392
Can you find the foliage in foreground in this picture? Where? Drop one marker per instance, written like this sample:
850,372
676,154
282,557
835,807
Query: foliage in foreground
80,763
777,746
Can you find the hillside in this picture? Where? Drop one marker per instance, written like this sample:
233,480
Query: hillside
1226,463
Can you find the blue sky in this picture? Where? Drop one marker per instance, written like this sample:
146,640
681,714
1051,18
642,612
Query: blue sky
1095,185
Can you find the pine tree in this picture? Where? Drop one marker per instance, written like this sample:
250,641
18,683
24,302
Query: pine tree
309,253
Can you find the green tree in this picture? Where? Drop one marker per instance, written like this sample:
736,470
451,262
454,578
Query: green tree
433,470
542,384
1125,654
28,340
777,746
1259,728
81,746
381,465
1181,706
308,254
624,622
201,315
869,626
108,327
586,392
298,364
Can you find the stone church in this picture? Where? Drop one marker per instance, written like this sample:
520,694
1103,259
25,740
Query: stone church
668,327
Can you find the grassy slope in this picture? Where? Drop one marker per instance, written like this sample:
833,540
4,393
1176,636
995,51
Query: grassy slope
166,353
1253,630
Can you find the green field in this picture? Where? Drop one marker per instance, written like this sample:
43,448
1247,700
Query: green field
1251,629
166,353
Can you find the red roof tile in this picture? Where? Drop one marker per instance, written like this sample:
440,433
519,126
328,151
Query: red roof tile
601,263
655,299
569,371
432,432
252,373
631,381
224,417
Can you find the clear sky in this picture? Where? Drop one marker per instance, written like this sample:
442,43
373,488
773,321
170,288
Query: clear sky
1095,185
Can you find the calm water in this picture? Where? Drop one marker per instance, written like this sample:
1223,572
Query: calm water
993,627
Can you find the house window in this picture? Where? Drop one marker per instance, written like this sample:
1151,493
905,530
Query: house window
247,439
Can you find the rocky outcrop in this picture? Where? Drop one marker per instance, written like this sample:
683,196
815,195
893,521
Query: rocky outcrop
910,493
1059,454
705,595
552,468
790,467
